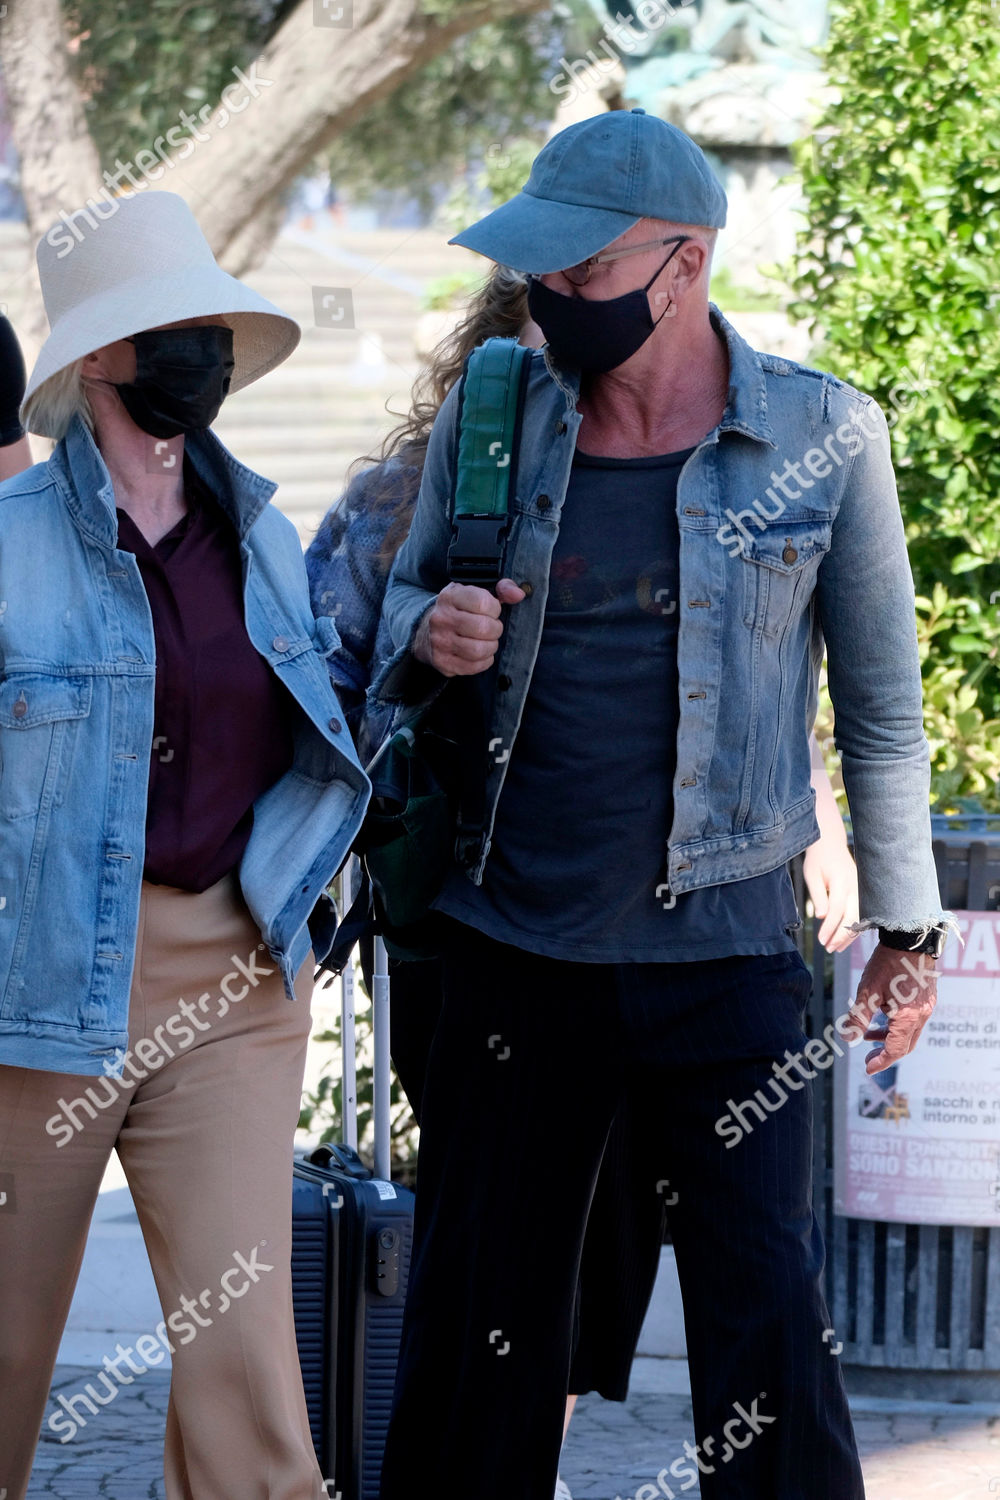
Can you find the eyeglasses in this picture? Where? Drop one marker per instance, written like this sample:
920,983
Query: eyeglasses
579,275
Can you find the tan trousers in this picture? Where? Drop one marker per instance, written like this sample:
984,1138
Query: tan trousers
205,1140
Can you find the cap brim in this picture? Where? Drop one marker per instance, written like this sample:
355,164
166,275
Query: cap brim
538,235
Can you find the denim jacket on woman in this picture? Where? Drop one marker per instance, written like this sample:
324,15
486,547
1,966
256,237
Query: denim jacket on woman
790,534
77,673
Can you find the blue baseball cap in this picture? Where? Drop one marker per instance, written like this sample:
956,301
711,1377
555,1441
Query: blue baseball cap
591,183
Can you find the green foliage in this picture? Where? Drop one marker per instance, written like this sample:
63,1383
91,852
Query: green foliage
140,62
445,292
731,296
899,278
504,171
466,107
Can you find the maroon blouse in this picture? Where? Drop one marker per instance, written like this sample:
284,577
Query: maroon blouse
222,721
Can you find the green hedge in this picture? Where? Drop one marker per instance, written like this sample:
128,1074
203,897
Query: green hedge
898,275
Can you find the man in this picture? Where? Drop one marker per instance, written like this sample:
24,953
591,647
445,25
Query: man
691,520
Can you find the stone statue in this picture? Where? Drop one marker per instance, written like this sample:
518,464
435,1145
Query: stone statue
731,71
767,31
700,35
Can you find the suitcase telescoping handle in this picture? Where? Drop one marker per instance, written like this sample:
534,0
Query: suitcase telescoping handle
381,1079
380,1029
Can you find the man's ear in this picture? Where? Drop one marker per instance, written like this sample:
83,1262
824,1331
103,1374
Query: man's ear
690,262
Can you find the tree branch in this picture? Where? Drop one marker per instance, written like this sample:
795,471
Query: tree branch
320,80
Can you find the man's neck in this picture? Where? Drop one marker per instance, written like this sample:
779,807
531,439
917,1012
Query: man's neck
667,397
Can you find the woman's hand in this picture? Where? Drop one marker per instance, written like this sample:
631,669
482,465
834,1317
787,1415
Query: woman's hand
832,881
830,872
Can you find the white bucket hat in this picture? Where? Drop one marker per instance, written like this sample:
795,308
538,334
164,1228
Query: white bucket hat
135,264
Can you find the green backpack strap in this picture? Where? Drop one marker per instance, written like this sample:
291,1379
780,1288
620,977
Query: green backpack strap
492,398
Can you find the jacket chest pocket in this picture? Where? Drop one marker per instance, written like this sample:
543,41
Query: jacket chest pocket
39,723
779,569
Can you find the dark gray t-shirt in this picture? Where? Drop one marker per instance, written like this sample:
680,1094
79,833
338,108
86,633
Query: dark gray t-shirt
578,855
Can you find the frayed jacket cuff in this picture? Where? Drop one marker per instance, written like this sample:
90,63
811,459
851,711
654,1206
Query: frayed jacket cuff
919,926
403,681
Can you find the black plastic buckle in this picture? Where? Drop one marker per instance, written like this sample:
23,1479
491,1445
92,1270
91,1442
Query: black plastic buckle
470,839
475,554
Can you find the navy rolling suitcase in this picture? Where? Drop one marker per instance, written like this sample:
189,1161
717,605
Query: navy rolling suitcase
352,1231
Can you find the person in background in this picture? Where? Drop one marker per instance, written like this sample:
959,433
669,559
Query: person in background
348,563
178,790
15,450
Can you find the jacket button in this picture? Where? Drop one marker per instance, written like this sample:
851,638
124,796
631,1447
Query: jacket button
790,554
279,643
560,427
20,707
336,725
544,502
503,683
529,589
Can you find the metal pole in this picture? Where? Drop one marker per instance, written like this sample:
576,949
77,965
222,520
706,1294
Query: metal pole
380,1026
347,1035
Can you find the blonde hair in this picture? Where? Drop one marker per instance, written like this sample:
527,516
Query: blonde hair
51,408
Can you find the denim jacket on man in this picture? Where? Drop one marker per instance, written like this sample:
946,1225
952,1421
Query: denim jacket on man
790,533
77,673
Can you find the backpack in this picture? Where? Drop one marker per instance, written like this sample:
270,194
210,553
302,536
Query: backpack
429,777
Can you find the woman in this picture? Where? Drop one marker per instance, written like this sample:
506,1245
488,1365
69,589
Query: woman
348,563
177,790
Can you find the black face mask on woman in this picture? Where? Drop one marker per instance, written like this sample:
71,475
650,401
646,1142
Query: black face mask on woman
182,376
590,335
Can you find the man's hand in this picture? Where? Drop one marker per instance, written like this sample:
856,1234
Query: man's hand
904,986
461,631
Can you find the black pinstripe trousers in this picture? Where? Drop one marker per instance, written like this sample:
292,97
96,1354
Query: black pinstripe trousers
531,1058
621,1250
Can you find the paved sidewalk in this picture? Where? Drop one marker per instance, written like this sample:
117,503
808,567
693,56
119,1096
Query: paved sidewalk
911,1450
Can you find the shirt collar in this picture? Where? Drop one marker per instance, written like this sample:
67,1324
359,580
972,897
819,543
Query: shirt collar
82,477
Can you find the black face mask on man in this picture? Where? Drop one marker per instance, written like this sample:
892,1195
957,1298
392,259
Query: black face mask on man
593,335
182,376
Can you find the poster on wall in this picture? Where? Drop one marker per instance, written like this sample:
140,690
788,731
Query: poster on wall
920,1142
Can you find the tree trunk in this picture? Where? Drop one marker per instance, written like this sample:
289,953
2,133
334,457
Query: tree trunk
59,163
310,83
60,166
